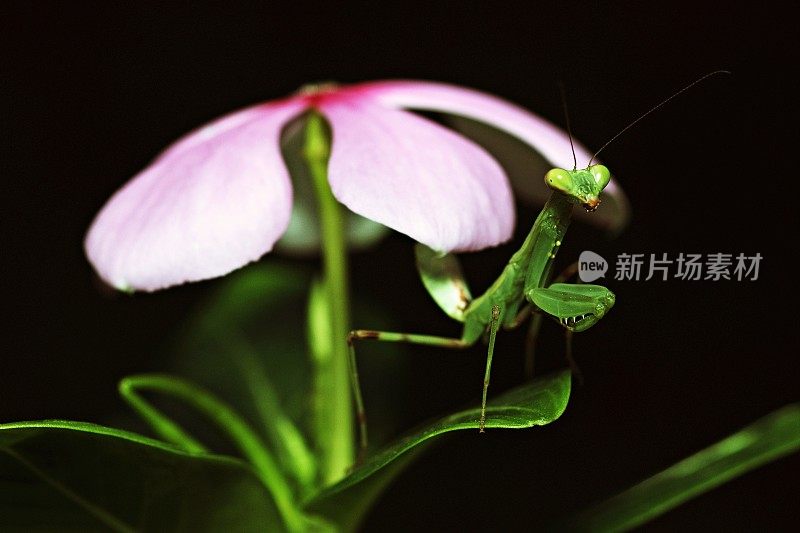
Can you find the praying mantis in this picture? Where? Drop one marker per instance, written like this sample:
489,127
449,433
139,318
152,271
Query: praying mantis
523,286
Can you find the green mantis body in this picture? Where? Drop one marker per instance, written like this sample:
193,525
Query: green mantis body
521,288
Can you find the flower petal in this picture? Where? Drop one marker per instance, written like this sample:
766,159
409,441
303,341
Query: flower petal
215,200
416,177
550,141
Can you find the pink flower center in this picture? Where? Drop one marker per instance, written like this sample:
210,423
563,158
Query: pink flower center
314,94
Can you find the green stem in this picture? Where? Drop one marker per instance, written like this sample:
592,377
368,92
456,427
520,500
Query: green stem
334,405
233,425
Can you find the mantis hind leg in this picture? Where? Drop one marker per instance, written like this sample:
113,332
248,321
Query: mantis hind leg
573,365
387,336
567,273
530,344
530,348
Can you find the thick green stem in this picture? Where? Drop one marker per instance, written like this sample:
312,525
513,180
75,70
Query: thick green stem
334,415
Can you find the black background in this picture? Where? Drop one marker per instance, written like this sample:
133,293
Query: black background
92,93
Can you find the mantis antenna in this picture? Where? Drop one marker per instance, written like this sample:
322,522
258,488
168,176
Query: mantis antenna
629,126
569,129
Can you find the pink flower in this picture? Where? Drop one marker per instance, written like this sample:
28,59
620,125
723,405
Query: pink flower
221,196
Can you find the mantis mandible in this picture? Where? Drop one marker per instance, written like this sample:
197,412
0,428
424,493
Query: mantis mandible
523,287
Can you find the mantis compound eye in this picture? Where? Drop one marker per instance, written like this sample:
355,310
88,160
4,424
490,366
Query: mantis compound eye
601,175
559,180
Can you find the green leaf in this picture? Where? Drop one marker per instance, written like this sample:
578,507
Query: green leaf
75,476
534,404
768,439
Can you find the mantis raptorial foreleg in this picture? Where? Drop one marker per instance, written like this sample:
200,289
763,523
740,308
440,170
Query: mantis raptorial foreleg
536,325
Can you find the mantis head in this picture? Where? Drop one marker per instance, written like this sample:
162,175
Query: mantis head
580,186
